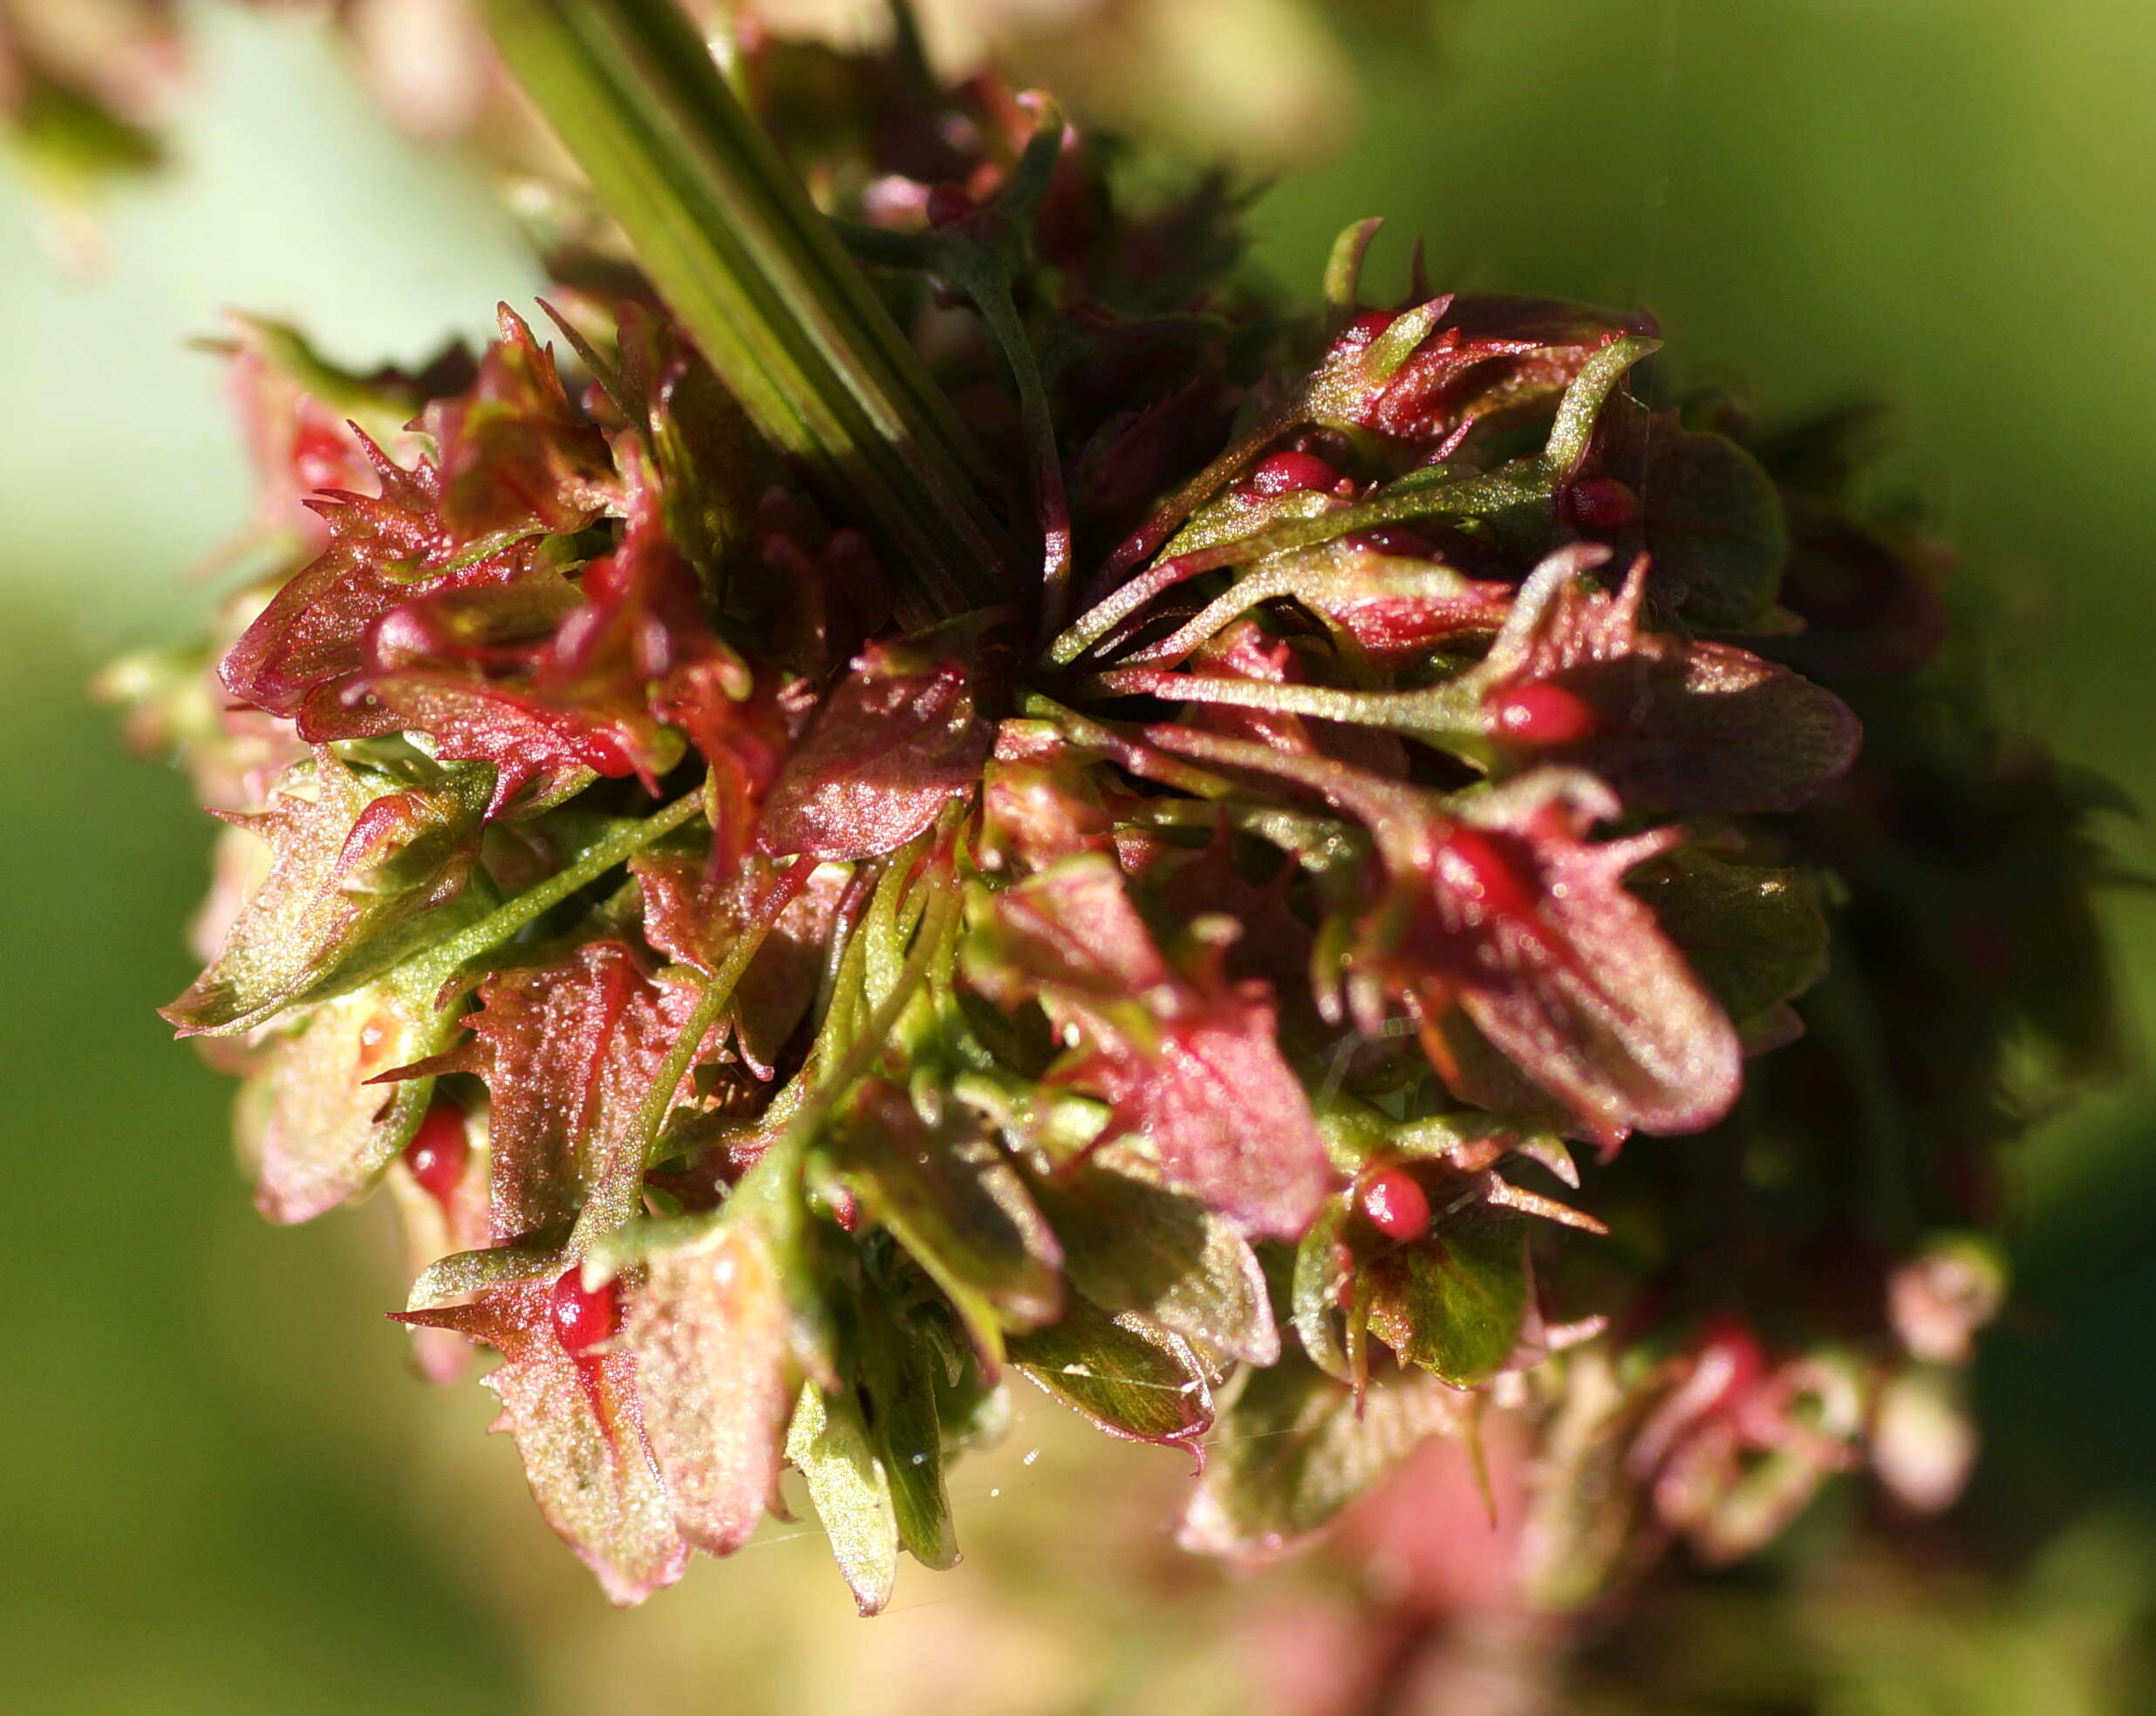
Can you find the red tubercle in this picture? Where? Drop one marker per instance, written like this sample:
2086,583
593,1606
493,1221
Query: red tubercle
1343,1274
1289,472
322,451
1602,505
1475,868
605,753
1395,1204
438,1151
1540,714
948,204
1399,541
844,1208
1728,1364
583,1318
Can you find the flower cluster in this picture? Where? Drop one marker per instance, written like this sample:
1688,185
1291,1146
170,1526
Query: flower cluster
787,1003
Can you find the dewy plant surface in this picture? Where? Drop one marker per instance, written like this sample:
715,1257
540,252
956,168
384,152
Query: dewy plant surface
1301,882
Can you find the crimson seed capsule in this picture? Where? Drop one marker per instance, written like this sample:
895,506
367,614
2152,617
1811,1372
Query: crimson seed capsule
1285,473
438,1150
1541,714
583,1318
1602,504
1396,1205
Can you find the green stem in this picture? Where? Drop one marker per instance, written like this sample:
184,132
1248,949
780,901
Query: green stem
652,1117
594,862
1447,716
725,231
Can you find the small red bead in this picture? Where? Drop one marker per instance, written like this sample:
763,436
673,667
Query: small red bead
605,753
438,1150
1398,541
1396,1205
1286,472
1492,874
948,205
1542,714
582,1319
1602,504
1729,1358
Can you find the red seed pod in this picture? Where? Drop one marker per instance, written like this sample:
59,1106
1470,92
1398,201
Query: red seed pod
582,1318
1541,714
1285,473
1602,505
438,1151
1396,1205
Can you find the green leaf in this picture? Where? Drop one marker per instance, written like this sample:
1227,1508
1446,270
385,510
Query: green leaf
1754,933
355,850
958,1208
69,138
1709,516
1132,1246
851,1493
1452,1302
1129,1376
1438,492
899,1366
1315,1290
1295,1449
465,1274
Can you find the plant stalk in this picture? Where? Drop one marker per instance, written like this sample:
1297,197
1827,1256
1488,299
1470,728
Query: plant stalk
726,232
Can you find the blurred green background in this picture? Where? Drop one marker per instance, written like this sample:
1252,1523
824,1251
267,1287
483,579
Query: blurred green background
218,1489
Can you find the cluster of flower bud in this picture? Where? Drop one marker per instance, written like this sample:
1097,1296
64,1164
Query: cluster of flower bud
1279,938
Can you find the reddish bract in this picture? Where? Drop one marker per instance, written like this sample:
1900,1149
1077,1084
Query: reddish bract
1189,1063
1527,927
898,739
1664,719
569,1051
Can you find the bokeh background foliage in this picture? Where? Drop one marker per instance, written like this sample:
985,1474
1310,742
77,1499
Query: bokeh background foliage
221,1490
